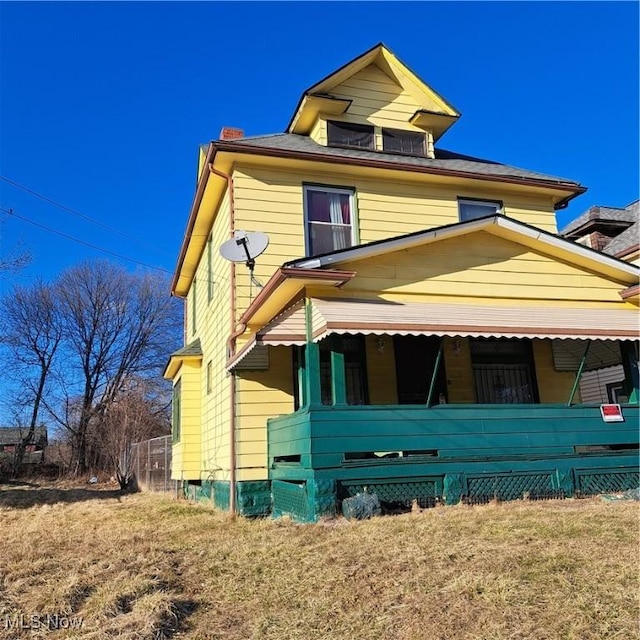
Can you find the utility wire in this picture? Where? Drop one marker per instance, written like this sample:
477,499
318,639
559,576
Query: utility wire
78,214
11,212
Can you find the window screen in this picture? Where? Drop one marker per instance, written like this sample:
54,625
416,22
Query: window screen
399,141
347,134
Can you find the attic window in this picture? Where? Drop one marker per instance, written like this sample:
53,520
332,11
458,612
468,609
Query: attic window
347,134
400,141
472,209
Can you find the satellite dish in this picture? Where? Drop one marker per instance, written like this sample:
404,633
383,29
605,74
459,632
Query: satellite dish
245,246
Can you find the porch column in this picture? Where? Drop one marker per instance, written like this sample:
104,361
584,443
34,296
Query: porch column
338,379
630,366
313,395
434,375
576,383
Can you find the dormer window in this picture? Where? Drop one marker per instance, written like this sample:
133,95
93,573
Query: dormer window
401,141
348,134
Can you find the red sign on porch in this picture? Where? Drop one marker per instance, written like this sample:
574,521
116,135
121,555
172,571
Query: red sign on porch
611,413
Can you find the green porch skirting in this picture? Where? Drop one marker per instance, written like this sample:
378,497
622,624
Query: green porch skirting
308,500
253,499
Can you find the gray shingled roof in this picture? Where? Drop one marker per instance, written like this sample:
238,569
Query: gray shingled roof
613,214
192,349
444,160
627,239
13,435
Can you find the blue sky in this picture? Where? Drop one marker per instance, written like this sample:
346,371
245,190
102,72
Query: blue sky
103,105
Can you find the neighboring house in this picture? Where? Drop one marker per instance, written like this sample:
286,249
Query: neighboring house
10,437
615,231
421,329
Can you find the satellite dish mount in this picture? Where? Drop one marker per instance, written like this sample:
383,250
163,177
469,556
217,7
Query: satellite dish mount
245,246
251,261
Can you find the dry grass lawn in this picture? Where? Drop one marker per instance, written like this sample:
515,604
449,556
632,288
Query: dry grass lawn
149,566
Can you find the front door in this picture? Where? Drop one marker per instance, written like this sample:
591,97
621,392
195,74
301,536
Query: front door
415,360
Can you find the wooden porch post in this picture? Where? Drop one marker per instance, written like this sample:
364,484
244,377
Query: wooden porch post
434,375
313,394
630,366
579,373
338,379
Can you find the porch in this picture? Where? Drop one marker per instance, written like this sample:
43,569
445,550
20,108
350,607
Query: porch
518,444
320,455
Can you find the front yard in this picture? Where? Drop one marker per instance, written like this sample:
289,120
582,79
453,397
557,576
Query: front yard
150,566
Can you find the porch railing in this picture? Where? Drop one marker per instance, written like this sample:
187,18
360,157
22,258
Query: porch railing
453,452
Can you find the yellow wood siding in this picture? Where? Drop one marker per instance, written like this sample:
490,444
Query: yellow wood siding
319,131
378,99
272,202
457,362
213,325
186,452
479,265
265,394
553,386
381,371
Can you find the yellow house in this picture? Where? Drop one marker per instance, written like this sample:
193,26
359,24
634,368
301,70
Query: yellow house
414,325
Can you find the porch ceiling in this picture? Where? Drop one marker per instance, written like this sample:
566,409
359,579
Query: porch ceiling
378,317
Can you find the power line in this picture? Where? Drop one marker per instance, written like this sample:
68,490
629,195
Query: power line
78,214
11,212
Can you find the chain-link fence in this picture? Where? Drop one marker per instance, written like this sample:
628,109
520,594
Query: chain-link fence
152,464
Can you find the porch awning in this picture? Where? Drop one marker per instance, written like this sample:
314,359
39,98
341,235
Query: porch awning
478,321
378,317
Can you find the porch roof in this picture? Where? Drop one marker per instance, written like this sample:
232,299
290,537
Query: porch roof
378,317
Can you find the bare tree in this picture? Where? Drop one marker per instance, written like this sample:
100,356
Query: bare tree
14,261
31,329
16,258
137,414
75,345
117,326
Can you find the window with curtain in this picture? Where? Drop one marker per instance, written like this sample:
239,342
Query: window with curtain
328,219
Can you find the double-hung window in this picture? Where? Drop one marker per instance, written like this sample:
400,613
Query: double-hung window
329,219
470,208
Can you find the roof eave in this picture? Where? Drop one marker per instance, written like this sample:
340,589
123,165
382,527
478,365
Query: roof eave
574,188
301,278
193,214
176,362
631,293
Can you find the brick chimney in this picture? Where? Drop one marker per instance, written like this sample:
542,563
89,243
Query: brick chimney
231,133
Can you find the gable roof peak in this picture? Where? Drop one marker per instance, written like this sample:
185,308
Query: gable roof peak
381,56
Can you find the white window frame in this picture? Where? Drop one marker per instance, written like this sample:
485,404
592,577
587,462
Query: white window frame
329,189
471,201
